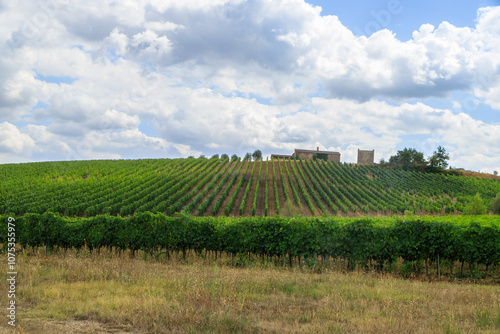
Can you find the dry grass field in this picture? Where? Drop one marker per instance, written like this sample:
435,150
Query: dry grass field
106,293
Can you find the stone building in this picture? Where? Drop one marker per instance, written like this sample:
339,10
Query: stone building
281,156
366,157
309,154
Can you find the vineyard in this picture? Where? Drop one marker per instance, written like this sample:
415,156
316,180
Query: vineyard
375,242
223,187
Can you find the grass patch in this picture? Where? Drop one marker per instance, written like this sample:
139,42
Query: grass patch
108,293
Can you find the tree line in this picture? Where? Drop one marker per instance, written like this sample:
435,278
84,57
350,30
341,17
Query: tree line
413,160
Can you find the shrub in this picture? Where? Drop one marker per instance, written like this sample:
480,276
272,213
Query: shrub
495,205
289,210
477,206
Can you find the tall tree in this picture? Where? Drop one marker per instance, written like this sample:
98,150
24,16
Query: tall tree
257,155
442,157
438,161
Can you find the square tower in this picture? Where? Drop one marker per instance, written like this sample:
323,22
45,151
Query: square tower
366,157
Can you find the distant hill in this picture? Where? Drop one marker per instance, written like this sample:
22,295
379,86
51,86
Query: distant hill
203,187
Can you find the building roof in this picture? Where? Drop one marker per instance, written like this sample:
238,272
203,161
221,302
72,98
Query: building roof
316,151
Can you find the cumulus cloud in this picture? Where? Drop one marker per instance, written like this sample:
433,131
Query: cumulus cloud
13,141
232,76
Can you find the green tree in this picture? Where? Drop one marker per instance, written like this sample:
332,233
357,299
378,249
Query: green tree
234,157
257,155
248,157
408,159
477,206
433,165
495,205
439,159
224,156
215,156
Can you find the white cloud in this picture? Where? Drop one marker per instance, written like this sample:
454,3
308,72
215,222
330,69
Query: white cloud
149,46
229,76
13,141
162,26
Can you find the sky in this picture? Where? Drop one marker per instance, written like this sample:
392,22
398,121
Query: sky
166,79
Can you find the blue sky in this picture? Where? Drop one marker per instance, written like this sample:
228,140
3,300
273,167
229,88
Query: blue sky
111,80
402,16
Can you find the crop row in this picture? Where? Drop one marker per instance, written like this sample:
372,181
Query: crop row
359,241
215,186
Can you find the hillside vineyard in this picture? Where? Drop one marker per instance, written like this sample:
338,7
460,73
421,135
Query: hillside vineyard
221,187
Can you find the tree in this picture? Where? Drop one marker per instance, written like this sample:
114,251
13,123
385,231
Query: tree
495,205
257,155
495,172
248,157
202,157
433,165
215,156
224,156
234,157
440,158
477,206
408,159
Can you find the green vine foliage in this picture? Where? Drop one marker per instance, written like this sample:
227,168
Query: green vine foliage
473,239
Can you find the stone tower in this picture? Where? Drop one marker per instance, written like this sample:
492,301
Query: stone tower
366,157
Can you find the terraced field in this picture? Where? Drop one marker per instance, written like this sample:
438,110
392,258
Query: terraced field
215,187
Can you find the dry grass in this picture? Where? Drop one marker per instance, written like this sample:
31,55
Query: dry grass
110,294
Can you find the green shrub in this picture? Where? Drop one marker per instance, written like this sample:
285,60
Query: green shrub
290,209
477,206
495,205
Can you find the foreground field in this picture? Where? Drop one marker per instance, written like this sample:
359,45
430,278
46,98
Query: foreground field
106,293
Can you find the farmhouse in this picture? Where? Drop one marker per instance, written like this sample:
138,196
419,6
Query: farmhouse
309,154
365,157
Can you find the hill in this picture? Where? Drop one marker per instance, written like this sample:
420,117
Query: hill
217,187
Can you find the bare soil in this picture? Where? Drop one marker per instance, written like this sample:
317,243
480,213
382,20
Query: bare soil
36,326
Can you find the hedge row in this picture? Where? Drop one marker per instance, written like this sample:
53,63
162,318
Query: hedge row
357,240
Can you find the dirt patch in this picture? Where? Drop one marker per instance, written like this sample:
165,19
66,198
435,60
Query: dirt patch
480,175
71,326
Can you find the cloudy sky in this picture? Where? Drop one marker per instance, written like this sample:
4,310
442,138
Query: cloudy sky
109,79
